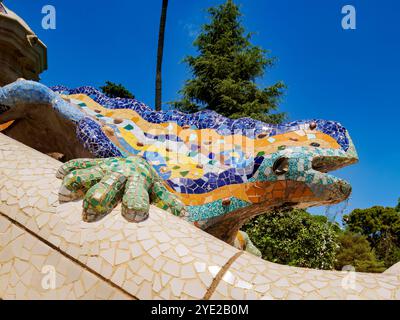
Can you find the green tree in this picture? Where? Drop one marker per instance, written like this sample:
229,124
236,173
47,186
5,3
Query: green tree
388,249
225,70
114,90
356,251
295,238
398,205
381,226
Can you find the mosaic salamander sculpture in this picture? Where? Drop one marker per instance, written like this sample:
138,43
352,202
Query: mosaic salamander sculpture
213,171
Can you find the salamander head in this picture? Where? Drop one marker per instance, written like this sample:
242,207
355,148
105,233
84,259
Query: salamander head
297,173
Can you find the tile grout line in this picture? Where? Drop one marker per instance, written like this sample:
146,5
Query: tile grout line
220,275
66,255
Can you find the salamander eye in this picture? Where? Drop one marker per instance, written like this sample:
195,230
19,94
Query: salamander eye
281,166
315,144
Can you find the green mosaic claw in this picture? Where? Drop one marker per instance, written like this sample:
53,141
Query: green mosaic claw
166,200
103,196
136,200
75,165
249,246
103,183
77,182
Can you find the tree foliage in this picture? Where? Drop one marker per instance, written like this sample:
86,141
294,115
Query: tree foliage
295,238
114,90
225,70
381,227
355,250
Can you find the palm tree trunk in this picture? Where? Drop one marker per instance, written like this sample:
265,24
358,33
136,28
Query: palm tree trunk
160,53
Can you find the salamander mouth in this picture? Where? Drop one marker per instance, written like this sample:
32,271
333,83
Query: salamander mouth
326,164
339,190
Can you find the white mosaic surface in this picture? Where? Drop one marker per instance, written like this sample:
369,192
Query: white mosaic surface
252,278
161,258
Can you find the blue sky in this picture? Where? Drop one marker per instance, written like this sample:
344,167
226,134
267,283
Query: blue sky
351,76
